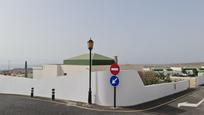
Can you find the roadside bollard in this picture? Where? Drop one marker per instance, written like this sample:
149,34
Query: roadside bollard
175,86
53,94
32,92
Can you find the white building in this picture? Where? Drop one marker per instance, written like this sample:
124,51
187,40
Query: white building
75,64
176,68
70,81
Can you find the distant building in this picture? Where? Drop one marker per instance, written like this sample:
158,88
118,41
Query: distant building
176,68
146,69
77,64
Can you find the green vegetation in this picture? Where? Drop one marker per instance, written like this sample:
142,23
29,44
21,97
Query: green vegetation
163,78
150,77
168,69
189,70
201,69
158,69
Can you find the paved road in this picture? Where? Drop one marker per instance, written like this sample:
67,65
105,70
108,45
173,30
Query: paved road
172,109
22,105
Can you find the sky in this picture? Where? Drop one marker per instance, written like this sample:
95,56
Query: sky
137,31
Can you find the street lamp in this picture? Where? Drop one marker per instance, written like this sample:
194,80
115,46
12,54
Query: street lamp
90,47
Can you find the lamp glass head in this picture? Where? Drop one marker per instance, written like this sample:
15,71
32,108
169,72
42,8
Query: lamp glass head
90,44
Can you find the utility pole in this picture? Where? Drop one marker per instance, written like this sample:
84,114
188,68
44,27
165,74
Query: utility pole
9,64
26,69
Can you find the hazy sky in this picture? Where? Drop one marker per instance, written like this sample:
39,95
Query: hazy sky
138,31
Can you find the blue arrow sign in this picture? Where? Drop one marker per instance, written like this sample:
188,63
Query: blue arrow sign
114,81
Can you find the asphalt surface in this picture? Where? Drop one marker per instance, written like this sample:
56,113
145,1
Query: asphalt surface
172,109
23,105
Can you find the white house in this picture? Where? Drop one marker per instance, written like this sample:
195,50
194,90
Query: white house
71,82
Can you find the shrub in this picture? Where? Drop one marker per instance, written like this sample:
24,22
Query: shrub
167,79
148,77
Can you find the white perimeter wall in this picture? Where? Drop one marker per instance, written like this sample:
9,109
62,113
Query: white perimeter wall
72,87
131,90
199,80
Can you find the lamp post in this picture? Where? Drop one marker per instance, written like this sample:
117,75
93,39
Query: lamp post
90,47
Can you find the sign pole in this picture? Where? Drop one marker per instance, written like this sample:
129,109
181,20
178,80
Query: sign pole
114,80
114,97
116,61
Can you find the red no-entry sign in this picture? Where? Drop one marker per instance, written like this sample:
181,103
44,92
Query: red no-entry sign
114,69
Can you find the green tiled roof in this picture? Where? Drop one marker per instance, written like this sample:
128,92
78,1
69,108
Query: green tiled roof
97,59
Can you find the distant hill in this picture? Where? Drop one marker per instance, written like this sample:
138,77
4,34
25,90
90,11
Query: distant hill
17,72
195,64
